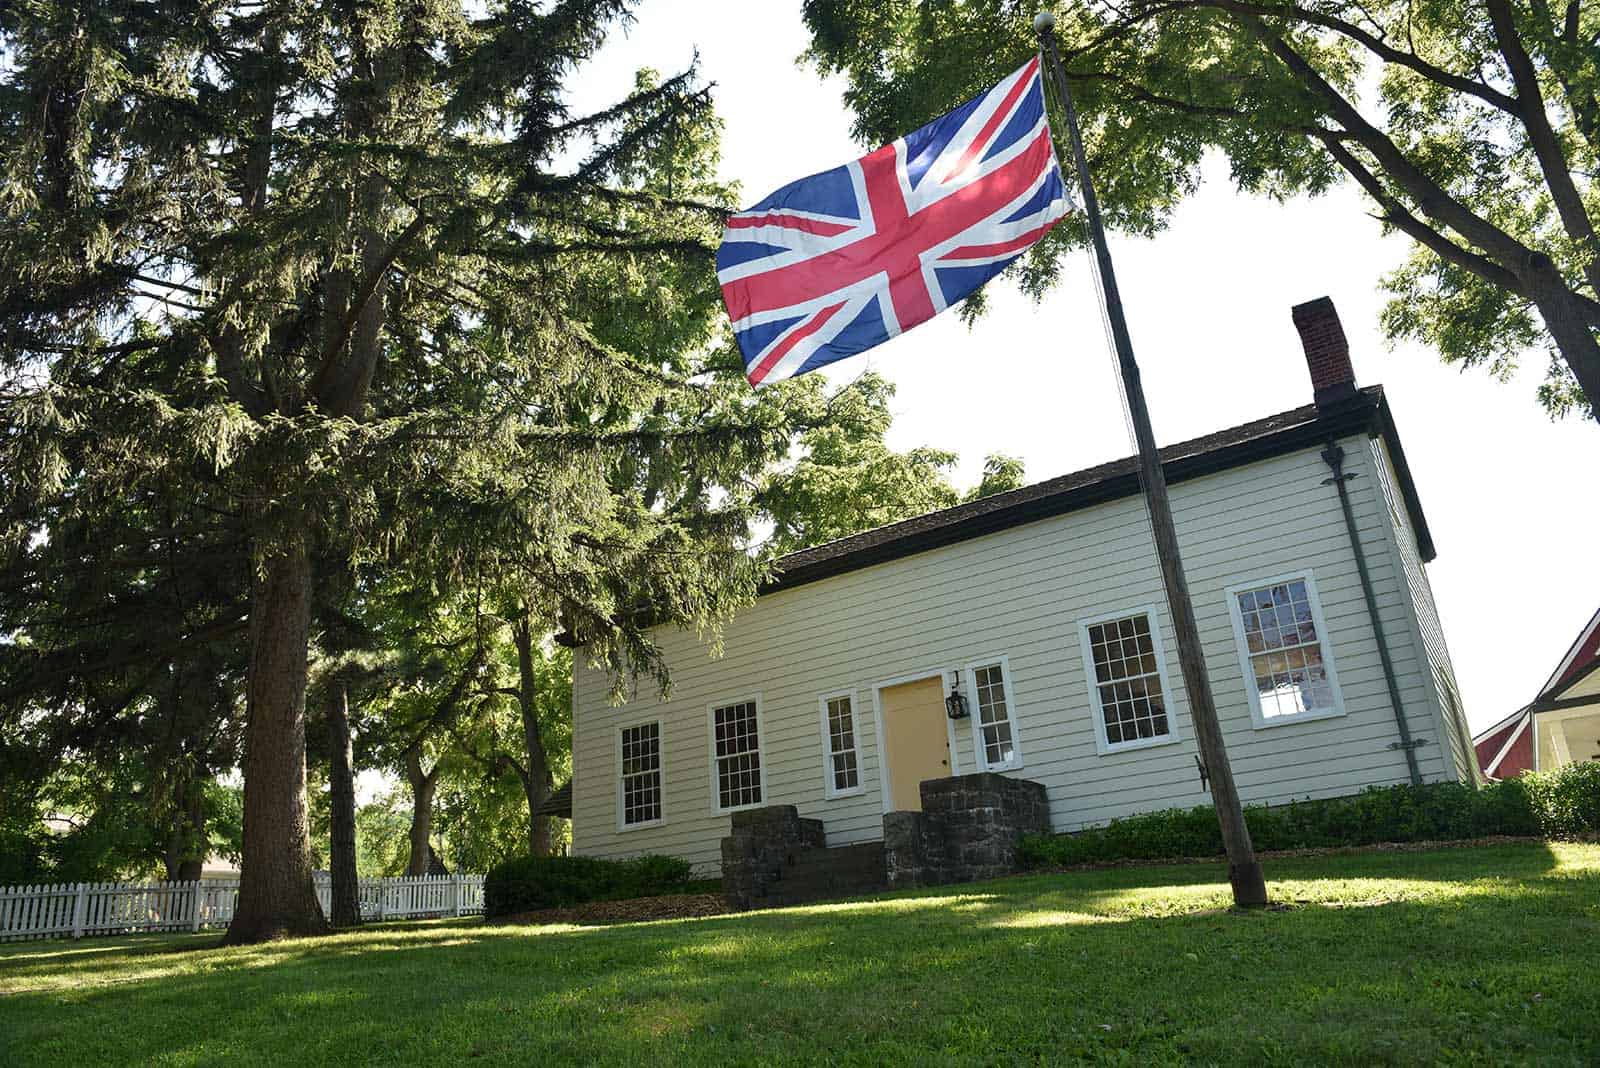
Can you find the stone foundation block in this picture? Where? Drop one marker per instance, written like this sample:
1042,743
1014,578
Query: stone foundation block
969,829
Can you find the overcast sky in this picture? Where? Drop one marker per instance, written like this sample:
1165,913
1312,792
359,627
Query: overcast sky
1509,496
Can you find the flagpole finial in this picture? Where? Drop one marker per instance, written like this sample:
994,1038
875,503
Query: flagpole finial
1044,22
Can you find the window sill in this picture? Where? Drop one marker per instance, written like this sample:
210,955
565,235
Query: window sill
837,795
716,811
1299,717
1105,748
1015,765
624,828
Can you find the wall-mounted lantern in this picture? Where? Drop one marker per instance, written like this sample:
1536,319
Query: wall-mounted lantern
956,703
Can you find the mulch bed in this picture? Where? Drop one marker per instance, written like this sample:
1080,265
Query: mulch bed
634,910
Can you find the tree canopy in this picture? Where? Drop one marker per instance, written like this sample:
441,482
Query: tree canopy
352,282
1474,129
338,355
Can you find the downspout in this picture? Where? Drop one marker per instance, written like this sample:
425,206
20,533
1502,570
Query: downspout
1333,456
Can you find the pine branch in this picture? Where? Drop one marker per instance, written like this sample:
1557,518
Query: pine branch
51,675
324,378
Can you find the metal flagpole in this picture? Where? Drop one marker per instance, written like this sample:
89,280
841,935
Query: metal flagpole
1244,870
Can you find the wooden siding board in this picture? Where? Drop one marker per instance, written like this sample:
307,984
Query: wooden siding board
1019,592
1426,630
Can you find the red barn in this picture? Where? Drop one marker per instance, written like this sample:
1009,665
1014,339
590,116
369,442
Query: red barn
1561,725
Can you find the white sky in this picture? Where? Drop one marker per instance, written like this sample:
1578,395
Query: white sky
1208,304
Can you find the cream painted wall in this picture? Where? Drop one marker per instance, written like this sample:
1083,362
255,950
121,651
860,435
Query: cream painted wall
1020,593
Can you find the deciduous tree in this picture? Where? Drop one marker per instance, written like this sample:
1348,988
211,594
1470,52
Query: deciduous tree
1474,129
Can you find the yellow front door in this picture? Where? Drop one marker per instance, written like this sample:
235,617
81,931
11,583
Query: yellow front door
916,742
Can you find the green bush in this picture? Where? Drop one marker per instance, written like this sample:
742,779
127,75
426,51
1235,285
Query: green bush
1555,804
1567,801
530,883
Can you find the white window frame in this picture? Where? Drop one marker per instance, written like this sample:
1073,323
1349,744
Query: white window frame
1103,745
830,791
969,680
1247,670
661,769
761,750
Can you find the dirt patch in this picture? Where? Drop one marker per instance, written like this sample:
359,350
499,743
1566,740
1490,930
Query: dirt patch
634,910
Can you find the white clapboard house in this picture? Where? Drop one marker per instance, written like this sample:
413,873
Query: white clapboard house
1043,608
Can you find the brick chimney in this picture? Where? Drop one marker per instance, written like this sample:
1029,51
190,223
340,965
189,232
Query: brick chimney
1327,352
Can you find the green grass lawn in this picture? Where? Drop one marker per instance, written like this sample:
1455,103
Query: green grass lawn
1485,954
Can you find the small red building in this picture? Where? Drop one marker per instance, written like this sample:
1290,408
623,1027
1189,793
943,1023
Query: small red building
1559,726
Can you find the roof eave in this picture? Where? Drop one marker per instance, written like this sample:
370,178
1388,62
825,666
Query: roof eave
1367,412
1407,485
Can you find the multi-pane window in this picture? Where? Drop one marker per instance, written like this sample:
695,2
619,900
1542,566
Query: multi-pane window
736,744
839,723
641,774
994,715
1127,680
1288,669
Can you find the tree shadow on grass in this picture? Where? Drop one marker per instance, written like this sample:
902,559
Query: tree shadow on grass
1042,968
64,949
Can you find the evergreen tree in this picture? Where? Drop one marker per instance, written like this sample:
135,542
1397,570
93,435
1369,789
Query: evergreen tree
330,271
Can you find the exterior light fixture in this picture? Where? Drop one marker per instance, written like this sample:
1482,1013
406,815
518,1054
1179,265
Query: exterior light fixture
956,703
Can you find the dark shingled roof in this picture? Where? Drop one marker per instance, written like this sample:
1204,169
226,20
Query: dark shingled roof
558,803
1275,435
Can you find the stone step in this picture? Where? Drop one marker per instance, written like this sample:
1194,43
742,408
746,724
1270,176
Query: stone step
827,874
783,893
812,882
828,864
824,879
861,856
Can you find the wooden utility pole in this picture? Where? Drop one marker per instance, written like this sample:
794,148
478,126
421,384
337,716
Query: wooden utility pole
1244,870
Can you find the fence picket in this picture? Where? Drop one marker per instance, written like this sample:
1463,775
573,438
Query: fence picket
48,910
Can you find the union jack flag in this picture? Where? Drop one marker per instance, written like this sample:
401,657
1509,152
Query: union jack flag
836,263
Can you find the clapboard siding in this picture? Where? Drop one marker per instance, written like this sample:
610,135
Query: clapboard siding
1426,630
1020,593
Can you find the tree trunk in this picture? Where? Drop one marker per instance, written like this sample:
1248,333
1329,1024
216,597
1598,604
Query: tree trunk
346,906
421,812
186,843
276,895
536,781
199,844
1574,337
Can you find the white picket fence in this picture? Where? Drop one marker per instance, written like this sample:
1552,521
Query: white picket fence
72,910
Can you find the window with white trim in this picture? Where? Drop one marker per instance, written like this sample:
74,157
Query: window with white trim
1288,671
736,748
994,719
639,768
839,741
1129,685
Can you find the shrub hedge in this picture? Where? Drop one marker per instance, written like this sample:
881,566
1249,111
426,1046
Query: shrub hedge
1567,801
1555,804
530,883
